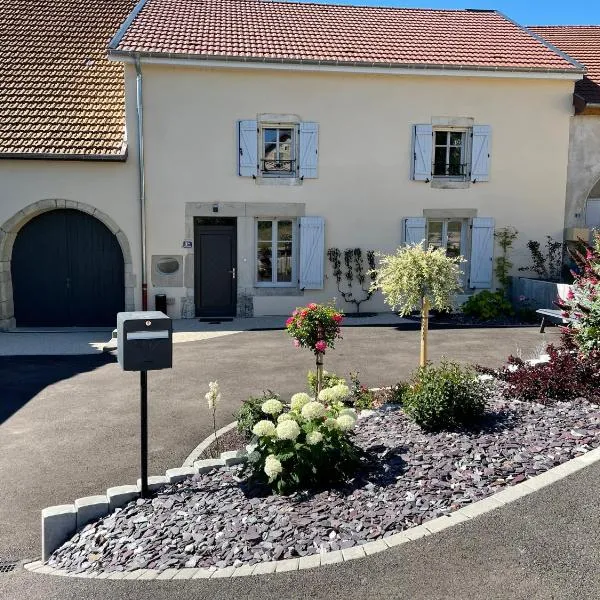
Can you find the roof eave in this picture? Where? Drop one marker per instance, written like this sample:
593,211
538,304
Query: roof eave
121,157
129,56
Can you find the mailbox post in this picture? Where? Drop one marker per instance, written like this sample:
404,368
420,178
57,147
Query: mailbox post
144,343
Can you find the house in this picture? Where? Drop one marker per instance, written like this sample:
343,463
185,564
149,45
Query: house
583,176
69,219
260,134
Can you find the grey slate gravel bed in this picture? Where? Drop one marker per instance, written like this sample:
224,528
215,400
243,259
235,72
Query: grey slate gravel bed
208,520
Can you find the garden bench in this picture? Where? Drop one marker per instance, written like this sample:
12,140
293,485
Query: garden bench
553,314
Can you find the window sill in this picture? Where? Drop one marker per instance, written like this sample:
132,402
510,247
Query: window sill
287,181
450,184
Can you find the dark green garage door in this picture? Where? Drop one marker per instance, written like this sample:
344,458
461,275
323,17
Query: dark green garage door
67,270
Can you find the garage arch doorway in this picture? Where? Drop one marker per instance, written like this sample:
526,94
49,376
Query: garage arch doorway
67,268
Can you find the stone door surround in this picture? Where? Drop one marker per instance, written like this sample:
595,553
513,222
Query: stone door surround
8,234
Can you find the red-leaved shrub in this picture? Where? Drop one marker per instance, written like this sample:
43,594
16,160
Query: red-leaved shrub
565,376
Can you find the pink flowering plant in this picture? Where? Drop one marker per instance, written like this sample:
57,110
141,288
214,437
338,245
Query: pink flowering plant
316,327
582,303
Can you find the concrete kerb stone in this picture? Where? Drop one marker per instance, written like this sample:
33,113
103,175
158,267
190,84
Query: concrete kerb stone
234,457
61,522
202,446
58,524
90,508
204,466
179,474
155,482
120,495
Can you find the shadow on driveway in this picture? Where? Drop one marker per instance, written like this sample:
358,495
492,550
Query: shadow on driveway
23,377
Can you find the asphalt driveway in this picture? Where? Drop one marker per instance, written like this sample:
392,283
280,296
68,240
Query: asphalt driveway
69,428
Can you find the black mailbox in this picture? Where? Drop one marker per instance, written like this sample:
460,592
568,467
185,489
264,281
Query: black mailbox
144,341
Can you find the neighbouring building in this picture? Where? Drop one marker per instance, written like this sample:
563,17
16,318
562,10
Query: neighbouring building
583,175
271,131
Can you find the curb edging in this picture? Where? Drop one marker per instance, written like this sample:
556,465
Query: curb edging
202,446
462,515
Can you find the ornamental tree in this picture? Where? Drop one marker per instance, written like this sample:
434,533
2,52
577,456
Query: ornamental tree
415,277
316,327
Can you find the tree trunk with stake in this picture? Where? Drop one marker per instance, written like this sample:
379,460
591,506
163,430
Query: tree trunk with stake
319,356
424,329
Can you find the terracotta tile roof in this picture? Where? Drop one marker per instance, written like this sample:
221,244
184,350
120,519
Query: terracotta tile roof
294,31
59,94
582,42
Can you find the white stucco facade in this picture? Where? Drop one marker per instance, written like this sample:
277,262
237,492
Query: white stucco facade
363,190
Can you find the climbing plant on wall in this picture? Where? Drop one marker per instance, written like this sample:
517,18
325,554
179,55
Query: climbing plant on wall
351,276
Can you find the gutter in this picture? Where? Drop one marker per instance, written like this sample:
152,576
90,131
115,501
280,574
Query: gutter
122,157
124,55
139,109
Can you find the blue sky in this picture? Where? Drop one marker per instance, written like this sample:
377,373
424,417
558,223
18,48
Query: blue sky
526,12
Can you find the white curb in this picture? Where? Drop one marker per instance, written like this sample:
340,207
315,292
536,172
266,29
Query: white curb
462,515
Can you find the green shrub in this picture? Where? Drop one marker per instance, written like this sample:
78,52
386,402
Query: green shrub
361,397
251,413
329,380
305,445
487,305
445,397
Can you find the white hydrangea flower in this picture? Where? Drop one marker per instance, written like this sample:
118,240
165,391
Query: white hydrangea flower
285,417
272,406
313,410
326,395
348,411
345,422
272,466
299,400
213,396
314,437
288,430
340,391
264,429
330,423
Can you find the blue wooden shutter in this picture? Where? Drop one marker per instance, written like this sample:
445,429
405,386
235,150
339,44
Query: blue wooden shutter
414,230
312,252
480,160
248,149
482,253
309,149
421,152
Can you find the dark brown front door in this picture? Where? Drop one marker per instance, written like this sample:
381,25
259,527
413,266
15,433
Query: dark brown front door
215,266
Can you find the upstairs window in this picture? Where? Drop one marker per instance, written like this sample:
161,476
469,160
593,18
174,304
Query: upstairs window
450,158
451,154
284,150
278,151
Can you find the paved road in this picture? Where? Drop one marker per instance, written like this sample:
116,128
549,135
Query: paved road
68,427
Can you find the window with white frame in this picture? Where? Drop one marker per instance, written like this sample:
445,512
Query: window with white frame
278,151
449,234
454,154
275,252
450,156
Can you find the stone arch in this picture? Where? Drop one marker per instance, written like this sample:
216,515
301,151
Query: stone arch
577,208
8,234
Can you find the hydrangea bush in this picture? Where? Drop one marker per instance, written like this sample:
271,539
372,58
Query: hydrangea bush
305,444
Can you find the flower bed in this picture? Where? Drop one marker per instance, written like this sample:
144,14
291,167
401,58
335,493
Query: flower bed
412,476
